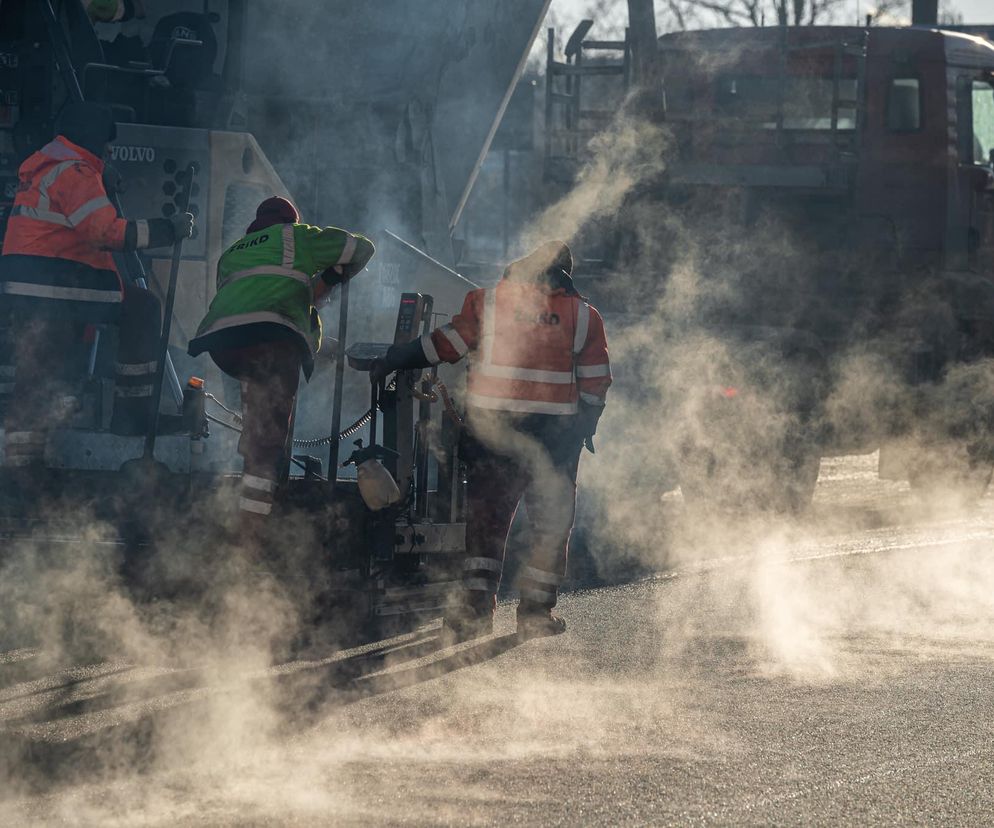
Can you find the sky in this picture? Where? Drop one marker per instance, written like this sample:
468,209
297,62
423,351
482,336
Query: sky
976,11
565,14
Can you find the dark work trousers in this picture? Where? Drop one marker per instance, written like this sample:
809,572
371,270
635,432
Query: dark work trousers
269,373
511,458
45,383
50,356
136,362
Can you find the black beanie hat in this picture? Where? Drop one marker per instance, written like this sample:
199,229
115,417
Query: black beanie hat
552,258
88,125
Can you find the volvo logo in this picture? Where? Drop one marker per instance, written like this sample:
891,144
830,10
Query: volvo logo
125,153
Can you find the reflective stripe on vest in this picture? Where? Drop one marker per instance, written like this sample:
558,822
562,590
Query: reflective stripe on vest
43,211
582,325
347,250
267,270
519,406
56,292
289,246
58,151
457,342
251,319
591,371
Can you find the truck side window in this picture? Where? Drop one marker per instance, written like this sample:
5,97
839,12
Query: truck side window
904,112
983,121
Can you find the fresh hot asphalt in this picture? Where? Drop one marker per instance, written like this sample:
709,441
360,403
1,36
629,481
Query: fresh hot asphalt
837,672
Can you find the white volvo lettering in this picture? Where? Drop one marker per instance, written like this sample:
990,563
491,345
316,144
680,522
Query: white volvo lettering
144,155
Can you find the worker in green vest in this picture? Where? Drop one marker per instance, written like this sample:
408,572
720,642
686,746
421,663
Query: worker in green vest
114,11
263,328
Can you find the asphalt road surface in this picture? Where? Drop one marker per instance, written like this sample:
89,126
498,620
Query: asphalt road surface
837,671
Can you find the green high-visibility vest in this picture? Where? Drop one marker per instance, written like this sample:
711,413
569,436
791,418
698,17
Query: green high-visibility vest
265,287
105,11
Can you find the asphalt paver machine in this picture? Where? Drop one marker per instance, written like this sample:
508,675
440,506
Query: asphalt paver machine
169,516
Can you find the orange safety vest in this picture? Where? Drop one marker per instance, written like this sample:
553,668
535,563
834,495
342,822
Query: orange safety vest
533,349
62,214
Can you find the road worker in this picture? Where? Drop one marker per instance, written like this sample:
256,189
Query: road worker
113,11
58,279
538,378
262,328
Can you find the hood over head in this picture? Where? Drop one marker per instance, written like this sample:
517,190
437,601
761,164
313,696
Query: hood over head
88,125
550,264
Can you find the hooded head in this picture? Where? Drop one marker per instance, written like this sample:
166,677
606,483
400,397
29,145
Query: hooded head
550,263
274,210
88,125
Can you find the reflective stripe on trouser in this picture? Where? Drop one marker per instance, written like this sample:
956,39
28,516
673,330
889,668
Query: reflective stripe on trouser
257,495
481,575
539,587
136,362
24,448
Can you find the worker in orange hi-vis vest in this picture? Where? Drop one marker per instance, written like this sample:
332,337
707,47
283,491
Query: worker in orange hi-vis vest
538,378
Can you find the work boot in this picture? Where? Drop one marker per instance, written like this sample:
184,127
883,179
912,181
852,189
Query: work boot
465,623
536,621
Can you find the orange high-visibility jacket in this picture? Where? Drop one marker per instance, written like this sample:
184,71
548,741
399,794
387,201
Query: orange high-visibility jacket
533,349
62,213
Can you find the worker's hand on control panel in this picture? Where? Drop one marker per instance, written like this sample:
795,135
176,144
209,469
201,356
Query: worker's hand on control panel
182,225
380,371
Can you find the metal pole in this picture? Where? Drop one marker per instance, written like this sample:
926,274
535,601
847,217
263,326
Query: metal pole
423,425
167,317
336,405
507,202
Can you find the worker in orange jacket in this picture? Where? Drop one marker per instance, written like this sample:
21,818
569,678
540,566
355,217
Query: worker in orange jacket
58,277
538,378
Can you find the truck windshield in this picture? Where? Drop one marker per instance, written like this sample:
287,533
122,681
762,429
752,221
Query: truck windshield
983,122
807,101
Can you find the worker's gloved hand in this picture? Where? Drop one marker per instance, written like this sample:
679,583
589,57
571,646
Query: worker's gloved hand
336,274
182,225
333,275
113,180
587,417
380,371
329,346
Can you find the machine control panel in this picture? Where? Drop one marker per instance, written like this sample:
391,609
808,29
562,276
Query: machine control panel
409,318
